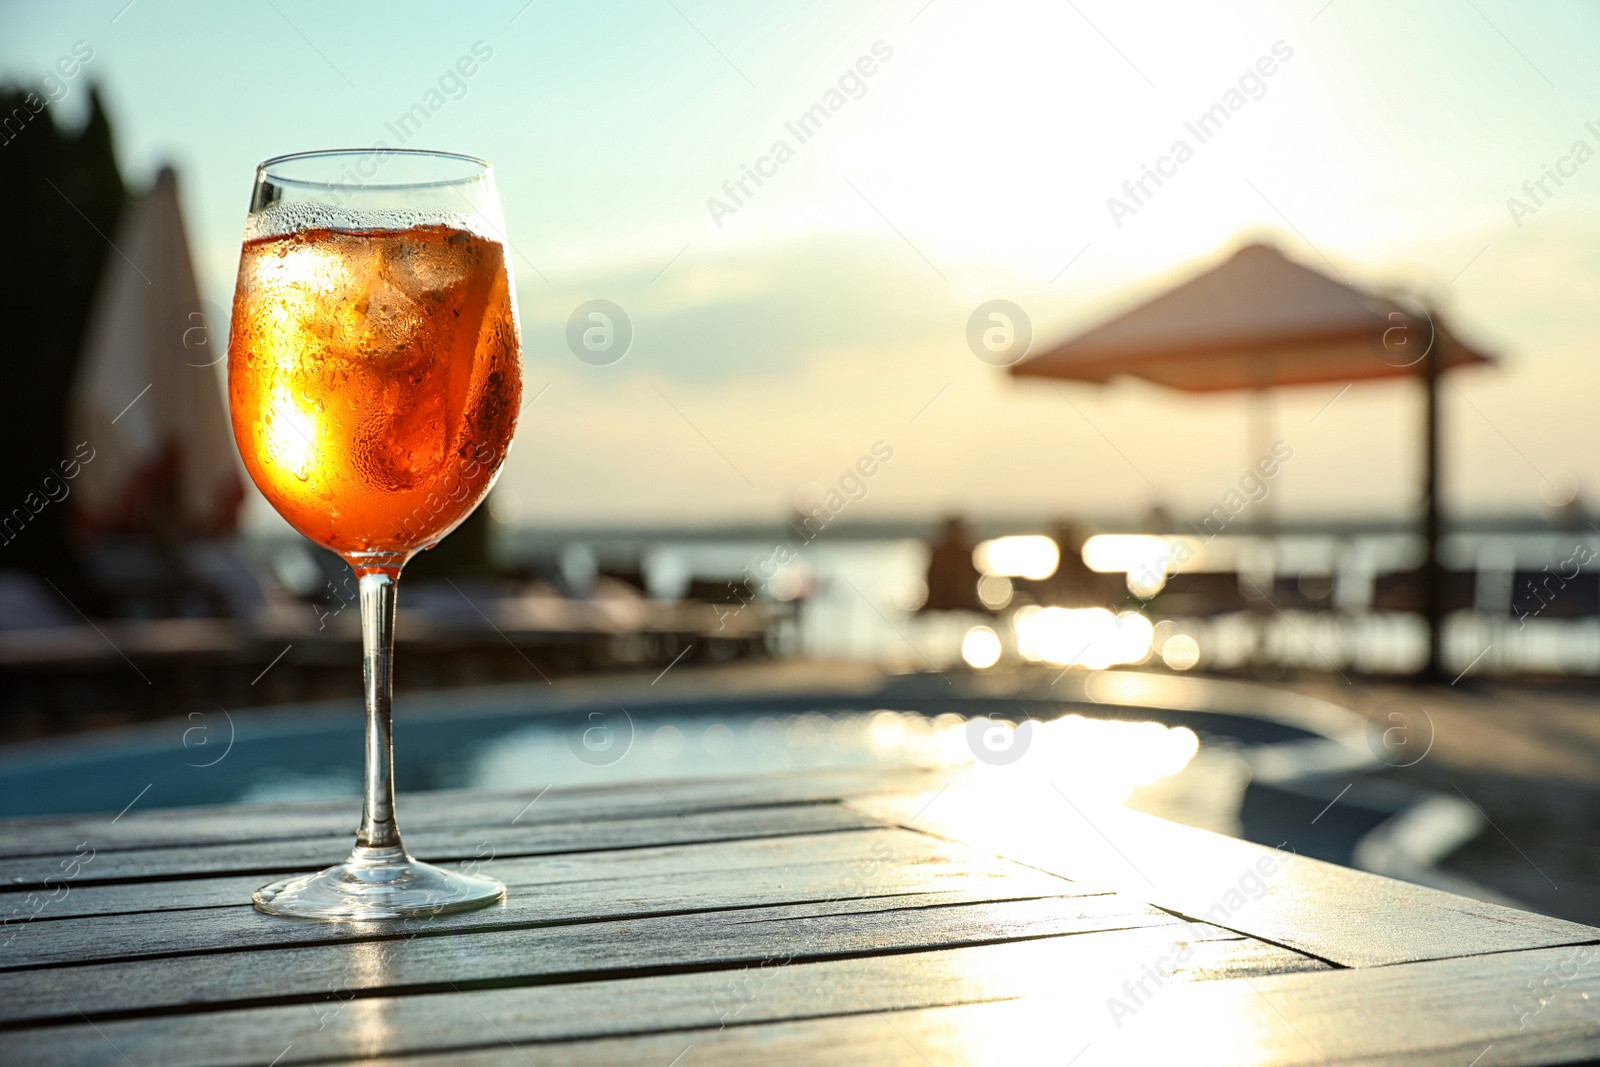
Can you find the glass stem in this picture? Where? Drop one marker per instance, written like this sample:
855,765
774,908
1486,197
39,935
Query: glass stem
378,829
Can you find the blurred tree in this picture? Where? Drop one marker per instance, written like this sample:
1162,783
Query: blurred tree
62,194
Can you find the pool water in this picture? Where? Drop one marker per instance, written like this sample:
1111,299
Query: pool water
1250,761
499,743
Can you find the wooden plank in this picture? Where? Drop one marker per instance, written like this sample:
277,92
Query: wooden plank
612,949
117,898
701,858
1341,915
287,855
238,823
600,885
341,1026
1408,1016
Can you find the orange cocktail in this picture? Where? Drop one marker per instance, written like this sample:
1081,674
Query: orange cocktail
374,380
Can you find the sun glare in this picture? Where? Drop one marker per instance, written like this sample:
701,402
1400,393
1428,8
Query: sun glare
1082,637
1033,556
290,432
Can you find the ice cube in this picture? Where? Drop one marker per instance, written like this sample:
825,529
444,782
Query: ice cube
426,263
385,321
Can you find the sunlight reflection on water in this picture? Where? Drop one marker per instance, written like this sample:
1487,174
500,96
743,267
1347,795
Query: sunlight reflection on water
1106,758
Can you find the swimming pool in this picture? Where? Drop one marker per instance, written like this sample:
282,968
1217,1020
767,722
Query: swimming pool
1241,759
530,737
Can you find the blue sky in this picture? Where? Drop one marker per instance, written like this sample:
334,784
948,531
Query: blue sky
829,309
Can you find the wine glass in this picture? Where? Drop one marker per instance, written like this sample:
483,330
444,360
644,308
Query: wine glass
374,377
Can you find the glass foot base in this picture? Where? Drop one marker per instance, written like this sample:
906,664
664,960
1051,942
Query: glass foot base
378,883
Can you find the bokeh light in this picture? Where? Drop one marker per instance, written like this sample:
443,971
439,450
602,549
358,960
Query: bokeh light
1082,637
995,591
1180,652
981,647
1032,556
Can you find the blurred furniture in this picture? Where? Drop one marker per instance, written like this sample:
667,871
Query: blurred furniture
140,578
952,578
27,603
1305,592
1078,587
1545,594
1075,584
1199,595
1407,591
905,915
72,674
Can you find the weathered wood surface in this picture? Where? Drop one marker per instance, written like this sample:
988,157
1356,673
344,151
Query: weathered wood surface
728,876
1359,920
436,846
614,948
1375,1017
759,859
185,827
880,918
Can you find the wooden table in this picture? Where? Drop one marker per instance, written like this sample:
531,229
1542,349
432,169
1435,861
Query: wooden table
918,917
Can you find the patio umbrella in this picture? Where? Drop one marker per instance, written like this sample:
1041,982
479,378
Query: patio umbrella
147,403
1261,321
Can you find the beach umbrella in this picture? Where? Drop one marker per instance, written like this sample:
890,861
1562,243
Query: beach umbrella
157,448
1261,321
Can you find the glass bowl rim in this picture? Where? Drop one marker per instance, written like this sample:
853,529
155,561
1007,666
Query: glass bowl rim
484,168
